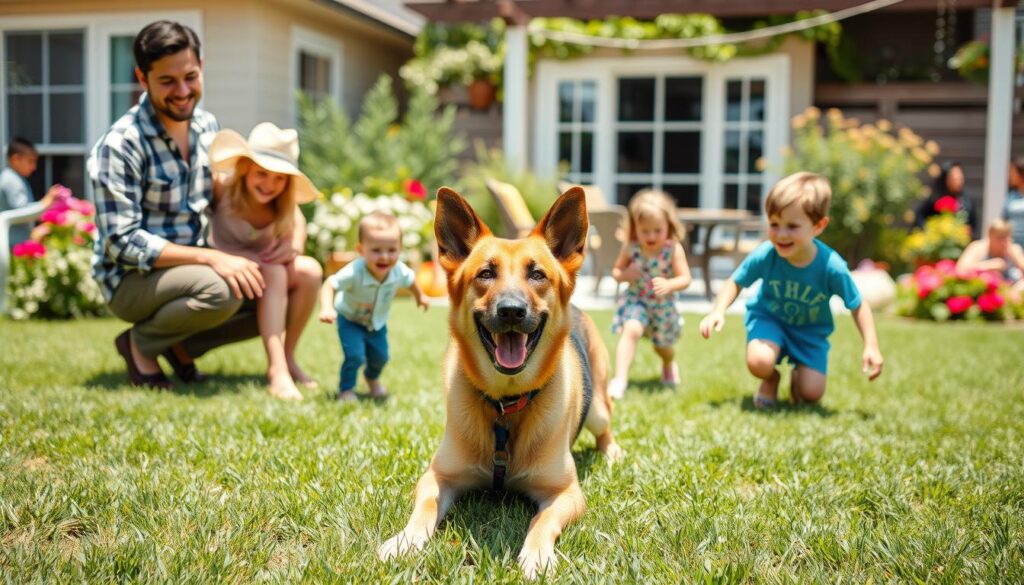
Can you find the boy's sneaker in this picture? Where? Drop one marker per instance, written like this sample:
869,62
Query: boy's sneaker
670,375
346,396
617,388
377,390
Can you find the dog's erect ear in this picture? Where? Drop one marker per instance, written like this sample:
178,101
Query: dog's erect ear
564,228
456,227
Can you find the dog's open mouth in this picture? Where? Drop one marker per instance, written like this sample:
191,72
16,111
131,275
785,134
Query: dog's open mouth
510,349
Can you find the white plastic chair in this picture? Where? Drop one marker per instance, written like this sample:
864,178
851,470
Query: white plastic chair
26,214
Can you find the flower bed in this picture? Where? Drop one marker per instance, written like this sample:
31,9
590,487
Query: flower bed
940,292
50,273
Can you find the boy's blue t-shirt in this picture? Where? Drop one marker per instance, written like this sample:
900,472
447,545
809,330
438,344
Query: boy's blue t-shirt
798,297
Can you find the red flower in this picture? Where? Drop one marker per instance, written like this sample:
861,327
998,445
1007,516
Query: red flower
947,267
414,189
990,301
991,279
86,226
927,282
959,304
29,249
54,216
947,204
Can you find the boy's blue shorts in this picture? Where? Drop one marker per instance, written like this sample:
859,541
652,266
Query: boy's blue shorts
805,348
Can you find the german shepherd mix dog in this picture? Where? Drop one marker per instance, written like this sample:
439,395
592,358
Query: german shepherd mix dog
524,372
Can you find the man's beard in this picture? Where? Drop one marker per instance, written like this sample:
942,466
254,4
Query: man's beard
175,114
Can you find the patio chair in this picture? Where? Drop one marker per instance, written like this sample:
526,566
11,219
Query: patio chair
516,219
26,214
745,236
594,194
605,241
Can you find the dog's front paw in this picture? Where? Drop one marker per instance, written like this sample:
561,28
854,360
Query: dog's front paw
401,544
613,453
537,561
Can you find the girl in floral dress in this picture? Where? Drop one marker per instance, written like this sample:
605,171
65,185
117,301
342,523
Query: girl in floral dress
654,265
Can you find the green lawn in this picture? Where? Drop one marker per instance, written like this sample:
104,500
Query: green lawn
918,476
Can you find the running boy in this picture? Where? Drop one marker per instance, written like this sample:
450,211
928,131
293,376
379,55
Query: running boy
789,315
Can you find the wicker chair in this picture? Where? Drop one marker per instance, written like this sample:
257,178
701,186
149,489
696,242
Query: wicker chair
516,219
605,241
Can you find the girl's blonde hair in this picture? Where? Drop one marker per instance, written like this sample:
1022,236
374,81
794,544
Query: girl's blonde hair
649,203
1000,227
238,198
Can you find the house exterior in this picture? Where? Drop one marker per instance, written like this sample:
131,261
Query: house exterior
68,66
625,120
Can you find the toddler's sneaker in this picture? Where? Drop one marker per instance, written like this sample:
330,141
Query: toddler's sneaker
617,388
345,395
670,375
377,390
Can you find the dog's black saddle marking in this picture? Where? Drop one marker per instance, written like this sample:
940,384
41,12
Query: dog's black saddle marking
578,335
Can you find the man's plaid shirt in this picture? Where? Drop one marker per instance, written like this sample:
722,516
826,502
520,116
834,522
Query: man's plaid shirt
146,195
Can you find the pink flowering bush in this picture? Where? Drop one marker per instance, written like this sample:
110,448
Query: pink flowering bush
50,273
940,292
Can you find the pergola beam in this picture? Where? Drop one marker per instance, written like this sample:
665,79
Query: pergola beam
478,10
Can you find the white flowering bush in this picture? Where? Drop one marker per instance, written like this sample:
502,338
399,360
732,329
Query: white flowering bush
50,273
452,65
335,222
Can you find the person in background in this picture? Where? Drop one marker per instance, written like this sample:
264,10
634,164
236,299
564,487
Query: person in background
1013,210
15,191
949,183
996,253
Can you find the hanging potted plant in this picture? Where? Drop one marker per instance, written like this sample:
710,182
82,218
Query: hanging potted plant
971,60
474,66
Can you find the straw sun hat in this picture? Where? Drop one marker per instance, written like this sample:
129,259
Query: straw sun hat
273,148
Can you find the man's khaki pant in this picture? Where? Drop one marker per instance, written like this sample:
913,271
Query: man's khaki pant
190,304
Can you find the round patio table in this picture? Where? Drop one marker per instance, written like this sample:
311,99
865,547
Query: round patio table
709,219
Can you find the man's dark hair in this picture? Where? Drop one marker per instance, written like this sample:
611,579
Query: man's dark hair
162,38
19,145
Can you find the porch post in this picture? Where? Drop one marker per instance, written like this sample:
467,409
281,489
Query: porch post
514,107
1000,114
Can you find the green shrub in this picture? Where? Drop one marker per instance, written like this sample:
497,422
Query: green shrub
379,152
875,176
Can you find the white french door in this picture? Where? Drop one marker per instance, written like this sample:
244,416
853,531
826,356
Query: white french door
693,129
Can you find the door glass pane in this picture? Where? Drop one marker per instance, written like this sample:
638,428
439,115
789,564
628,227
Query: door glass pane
733,100
683,98
755,149
25,116
24,59
66,118
565,149
757,100
682,152
625,191
588,93
122,61
732,151
636,151
565,101
587,152
685,195
636,99
66,61
120,102
754,197
732,196
70,172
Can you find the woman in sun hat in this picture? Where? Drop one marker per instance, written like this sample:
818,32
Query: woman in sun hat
258,186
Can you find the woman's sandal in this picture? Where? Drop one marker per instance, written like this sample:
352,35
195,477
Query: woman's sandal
124,347
187,373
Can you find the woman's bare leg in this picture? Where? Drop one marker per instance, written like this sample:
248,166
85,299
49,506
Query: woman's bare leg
271,310
304,279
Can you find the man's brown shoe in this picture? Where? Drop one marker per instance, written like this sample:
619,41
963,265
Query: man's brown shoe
124,347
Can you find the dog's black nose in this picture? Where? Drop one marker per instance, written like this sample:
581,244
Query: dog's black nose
511,311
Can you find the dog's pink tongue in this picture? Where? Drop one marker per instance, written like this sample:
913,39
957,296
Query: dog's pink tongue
511,350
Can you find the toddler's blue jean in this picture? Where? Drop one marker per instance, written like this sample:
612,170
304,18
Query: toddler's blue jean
361,346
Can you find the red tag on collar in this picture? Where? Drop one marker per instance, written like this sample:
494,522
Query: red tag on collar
509,408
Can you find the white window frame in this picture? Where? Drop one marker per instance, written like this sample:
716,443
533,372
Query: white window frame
576,127
97,28
605,72
321,45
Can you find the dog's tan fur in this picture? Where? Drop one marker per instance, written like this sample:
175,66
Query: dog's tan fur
542,434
